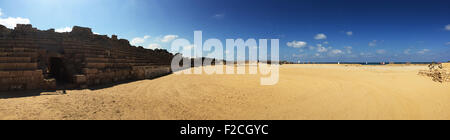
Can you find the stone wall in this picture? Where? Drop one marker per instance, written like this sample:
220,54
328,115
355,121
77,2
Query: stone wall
145,72
36,59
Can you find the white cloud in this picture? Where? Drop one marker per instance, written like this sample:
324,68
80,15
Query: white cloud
169,38
321,49
299,55
373,43
423,51
320,36
317,54
187,51
188,47
219,16
381,51
296,44
365,54
153,46
139,40
336,51
348,49
62,30
11,22
349,33
447,27
407,51
448,43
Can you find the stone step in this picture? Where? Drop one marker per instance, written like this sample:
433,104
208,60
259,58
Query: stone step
96,59
19,54
85,51
80,47
114,65
21,73
18,66
114,60
15,59
17,49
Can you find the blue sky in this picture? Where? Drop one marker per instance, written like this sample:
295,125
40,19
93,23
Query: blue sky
309,30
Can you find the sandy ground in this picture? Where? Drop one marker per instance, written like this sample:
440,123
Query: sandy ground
303,92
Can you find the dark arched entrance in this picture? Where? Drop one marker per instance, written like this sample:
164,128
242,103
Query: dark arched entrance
59,71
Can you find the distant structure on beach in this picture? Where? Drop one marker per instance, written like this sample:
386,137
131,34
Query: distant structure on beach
37,59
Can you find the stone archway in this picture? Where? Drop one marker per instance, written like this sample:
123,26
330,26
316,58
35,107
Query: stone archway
58,70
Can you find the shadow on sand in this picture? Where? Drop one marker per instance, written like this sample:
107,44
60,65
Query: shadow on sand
20,94
62,89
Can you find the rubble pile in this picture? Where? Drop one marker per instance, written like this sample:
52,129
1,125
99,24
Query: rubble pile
438,72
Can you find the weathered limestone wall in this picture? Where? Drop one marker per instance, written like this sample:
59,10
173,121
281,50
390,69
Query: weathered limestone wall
145,72
35,59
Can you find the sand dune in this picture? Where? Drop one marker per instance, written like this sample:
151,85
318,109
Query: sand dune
303,92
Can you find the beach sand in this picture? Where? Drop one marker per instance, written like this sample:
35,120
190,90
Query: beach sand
303,92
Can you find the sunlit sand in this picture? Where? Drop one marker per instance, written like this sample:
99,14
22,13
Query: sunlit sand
303,92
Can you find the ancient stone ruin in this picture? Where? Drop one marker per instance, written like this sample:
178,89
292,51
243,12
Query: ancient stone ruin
438,72
37,59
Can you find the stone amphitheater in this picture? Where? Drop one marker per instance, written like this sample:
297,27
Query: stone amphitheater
32,59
